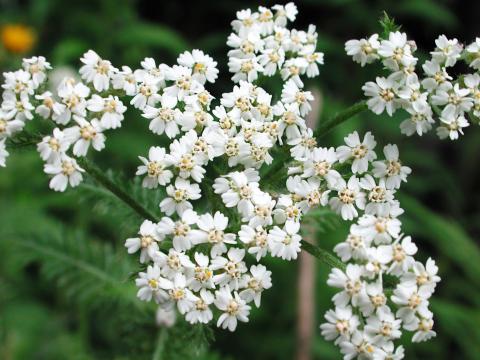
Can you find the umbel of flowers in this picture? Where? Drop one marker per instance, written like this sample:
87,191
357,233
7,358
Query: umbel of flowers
426,97
202,259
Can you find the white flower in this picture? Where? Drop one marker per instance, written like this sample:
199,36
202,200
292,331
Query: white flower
411,301
363,51
151,285
285,243
271,60
375,298
302,147
423,276
313,60
256,239
244,69
288,211
380,229
65,171
203,66
350,281
474,51
125,80
179,196
3,153
391,168
341,324
147,242
201,312
183,235
9,126
382,326
73,97
112,110
412,95
437,75
18,82
422,327
285,13
178,294
258,280
451,125
320,164
188,164
20,109
353,247
349,196
290,121
53,146
396,51
212,231
360,151
233,307
86,133
383,95
146,91
388,352
96,70
359,346
37,67
291,94
447,51
418,122
400,253
49,105
183,84
456,99
233,268
202,273
174,263
155,168
240,193
378,196
165,118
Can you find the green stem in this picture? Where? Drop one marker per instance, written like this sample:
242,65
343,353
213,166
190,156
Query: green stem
108,184
326,126
323,255
162,337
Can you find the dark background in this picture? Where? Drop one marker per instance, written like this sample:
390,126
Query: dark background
83,305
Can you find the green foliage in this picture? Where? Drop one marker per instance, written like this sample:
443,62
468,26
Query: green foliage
388,25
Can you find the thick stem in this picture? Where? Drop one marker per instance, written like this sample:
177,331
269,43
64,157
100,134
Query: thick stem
326,126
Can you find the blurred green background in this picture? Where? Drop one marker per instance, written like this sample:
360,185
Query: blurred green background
66,282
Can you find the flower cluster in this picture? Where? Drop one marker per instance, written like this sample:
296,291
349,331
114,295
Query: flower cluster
80,113
221,213
368,315
262,44
435,95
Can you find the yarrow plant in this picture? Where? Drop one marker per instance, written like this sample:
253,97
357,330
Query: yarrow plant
220,215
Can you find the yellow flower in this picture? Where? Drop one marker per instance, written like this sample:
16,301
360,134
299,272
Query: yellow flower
17,38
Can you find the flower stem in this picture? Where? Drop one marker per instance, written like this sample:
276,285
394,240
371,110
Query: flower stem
326,126
116,190
162,337
323,255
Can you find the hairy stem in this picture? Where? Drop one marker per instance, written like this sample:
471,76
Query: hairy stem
108,184
323,255
326,126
